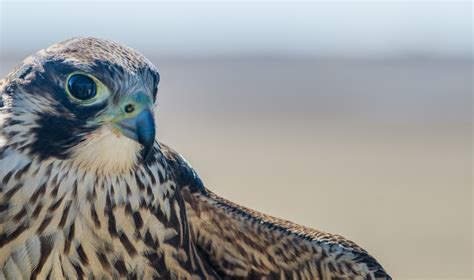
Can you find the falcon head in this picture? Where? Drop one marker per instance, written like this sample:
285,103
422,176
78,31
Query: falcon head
85,100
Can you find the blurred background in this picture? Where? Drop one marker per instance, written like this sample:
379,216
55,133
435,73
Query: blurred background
351,117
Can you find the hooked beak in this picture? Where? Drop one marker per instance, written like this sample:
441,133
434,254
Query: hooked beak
140,128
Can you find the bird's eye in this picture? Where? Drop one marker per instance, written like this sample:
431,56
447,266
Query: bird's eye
85,89
81,87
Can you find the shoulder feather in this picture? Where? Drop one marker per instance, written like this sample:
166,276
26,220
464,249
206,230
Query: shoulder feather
194,192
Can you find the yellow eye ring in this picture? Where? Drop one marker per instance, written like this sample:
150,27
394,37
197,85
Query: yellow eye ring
85,89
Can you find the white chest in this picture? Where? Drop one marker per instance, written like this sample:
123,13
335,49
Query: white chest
57,222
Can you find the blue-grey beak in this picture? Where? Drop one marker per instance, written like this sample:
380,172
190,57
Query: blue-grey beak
140,128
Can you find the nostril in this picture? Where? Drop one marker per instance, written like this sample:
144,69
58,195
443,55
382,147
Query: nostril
129,108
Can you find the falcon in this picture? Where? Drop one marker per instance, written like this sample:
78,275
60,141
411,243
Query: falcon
87,192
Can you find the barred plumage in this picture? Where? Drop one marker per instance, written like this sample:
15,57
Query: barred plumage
85,194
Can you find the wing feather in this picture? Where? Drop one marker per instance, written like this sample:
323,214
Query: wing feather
239,242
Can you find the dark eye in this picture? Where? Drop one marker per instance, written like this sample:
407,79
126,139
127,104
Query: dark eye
82,87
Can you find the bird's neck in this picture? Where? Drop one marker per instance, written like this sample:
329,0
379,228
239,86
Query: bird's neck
52,178
137,217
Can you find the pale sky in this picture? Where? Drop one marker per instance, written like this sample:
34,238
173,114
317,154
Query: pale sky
233,28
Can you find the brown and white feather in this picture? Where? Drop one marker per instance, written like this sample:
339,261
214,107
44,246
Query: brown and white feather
93,210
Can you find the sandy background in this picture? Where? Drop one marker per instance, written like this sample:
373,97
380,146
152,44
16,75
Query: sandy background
376,150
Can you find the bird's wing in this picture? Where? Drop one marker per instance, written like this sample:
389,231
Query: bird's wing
242,243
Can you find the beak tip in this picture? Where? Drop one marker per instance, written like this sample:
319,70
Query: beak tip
141,129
